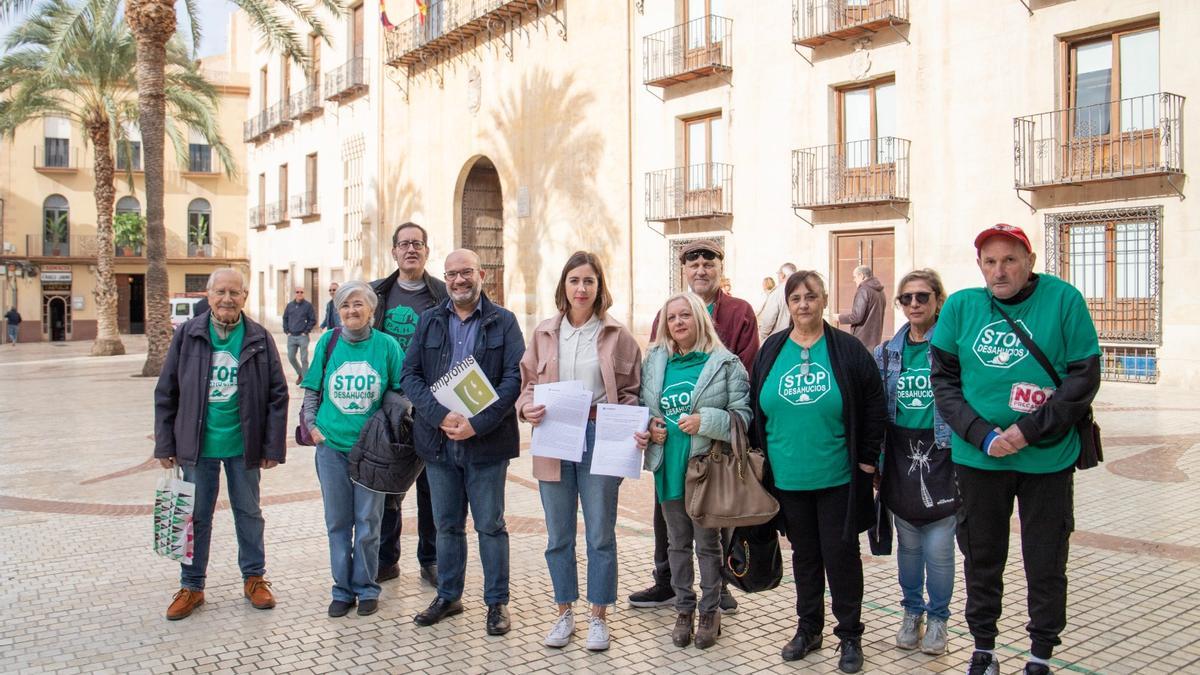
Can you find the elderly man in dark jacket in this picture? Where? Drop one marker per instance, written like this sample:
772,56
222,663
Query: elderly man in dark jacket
466,459
865,317
222,399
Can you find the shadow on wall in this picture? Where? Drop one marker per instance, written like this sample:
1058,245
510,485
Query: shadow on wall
543,142
403,200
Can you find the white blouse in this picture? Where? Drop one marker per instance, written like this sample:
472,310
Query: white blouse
578,358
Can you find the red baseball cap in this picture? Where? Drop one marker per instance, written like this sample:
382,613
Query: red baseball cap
1003,230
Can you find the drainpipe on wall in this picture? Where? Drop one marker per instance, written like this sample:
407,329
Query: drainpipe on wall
629,151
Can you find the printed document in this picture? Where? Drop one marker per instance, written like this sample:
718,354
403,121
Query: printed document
563,431
616,452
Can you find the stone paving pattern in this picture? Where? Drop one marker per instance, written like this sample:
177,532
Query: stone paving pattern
82,592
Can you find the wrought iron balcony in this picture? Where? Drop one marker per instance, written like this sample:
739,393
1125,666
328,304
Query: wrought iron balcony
304,205
696,191
452,22
255,128
1139,136
306,103
64,246
277,117
873,171
348,80
815,22
698,48
55,155
258,217
277,213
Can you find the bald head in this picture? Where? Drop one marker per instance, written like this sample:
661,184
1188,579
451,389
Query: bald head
464,279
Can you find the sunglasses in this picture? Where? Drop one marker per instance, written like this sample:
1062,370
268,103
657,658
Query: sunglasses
922,298
694,255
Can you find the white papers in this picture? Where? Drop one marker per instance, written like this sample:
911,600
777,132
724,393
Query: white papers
563,431
616,452
464,389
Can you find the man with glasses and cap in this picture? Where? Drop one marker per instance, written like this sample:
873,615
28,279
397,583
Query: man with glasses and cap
299,317
703,263
1015,432
403,296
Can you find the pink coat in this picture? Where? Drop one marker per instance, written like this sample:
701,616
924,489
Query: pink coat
620,369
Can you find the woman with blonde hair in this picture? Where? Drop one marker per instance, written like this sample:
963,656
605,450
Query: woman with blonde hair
692,384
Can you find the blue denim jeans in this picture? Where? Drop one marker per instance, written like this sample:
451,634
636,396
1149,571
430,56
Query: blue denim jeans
454,484
560,502
247,517
12,333
925,557
352,518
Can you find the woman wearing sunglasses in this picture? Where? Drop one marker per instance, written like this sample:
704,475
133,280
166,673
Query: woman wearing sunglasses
917,482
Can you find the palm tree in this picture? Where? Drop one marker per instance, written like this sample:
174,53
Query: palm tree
154,23
76,58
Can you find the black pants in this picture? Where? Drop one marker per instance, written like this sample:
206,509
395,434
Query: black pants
662,569
393,523
814,521
1045,503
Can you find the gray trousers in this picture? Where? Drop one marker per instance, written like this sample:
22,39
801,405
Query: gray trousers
681,532
298,343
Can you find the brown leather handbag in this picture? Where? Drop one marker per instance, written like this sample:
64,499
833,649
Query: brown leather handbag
723,488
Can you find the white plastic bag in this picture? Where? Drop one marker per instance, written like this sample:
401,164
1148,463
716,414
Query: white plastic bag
174,502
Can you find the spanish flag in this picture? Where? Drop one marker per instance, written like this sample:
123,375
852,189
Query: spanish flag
422,10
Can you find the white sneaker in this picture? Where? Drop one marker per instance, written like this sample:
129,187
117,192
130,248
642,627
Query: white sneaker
563,628
598,637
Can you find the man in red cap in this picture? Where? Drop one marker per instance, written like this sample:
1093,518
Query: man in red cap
703,263
1015,432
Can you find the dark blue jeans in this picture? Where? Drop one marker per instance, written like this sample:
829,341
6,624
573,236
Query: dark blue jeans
453,485
352,517
247,517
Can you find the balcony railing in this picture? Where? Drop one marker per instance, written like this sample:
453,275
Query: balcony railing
88,245
1137,136
688,51
55,157
277,213
258,217
349,79
255,128
67,246
304,205
815,22
306,103
871,171
126,251
449,22
696,191
277,118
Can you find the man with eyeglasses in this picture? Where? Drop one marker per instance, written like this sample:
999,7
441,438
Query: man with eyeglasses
299,317
221,404
403,296
466,459
1016,432
332,319
865,317
703,263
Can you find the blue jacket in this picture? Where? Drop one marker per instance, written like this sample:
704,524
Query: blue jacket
299,317
889,356
499,346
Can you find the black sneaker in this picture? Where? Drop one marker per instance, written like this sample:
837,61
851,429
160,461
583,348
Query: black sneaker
658,595
340,608
387,573
801,645
852,657
367,607
1032,668
983,663
729,604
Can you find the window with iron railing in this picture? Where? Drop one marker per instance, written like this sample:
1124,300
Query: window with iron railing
57,153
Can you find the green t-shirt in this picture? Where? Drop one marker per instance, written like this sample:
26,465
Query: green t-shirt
914,391
222,421
806,435
679,383
1001,380
358,375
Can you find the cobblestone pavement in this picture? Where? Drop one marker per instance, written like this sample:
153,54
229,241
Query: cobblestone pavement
82,592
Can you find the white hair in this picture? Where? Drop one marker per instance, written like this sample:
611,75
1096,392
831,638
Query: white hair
212,278
349,288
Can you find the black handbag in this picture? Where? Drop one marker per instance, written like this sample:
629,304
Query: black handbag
918,476
753,561
1091,450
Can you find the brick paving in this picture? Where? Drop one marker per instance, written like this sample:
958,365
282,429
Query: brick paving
82,592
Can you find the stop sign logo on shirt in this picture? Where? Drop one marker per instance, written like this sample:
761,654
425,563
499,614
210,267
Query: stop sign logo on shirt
354,387
997,346
222,381
800,388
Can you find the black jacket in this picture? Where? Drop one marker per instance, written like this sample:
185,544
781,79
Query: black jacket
499,347
864,409
383,458
1069,404
299,317
383,287
181,397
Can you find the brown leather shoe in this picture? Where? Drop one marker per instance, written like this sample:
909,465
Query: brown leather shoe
185,601
258,590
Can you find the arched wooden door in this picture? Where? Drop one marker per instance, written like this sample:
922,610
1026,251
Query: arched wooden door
483,224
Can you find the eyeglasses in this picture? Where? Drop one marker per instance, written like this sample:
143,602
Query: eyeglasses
333,289
299,292
921,297
414,244
467,273
693,255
